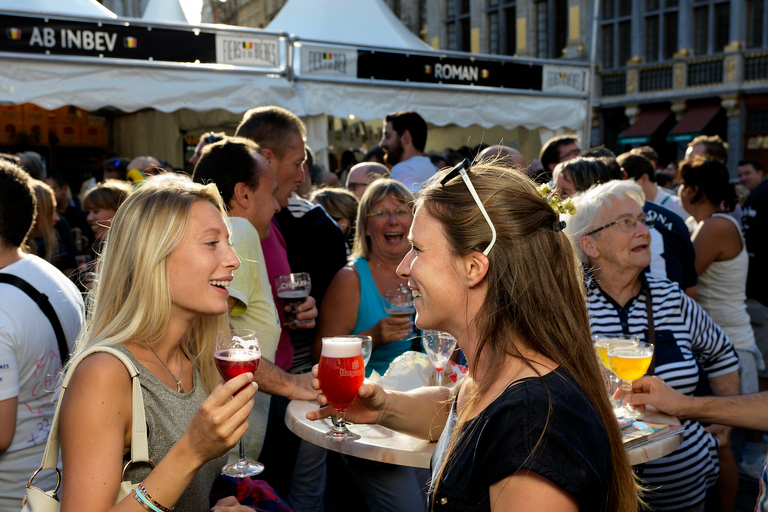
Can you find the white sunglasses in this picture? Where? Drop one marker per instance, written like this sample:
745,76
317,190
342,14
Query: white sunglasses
461,168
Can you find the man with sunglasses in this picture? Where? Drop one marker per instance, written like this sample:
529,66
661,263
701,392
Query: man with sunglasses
403,141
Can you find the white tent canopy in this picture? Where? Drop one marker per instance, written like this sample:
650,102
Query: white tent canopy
355,22
79,8
164,10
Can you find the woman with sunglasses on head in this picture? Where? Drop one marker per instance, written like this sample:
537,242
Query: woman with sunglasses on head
610,235
530,427
354,304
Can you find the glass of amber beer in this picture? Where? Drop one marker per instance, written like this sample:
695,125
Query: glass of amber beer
629,363
341,373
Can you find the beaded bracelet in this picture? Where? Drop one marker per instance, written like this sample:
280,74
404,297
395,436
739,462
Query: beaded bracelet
147,502
152,500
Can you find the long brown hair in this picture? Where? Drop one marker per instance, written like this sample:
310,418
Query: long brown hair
532,269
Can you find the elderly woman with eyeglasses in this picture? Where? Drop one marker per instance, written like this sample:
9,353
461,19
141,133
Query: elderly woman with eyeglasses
692,354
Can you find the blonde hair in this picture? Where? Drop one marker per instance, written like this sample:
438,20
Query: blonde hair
44,222
339,204
131,297
517,296
375,193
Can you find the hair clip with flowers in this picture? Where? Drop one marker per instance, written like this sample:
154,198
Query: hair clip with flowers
557,205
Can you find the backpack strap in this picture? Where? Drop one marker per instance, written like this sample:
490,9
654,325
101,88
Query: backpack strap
45,306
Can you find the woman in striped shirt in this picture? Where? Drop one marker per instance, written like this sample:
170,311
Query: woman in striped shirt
611,237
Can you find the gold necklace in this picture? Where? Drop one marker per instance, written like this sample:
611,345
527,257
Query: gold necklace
179,387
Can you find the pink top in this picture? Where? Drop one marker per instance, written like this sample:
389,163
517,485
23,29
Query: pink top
276,258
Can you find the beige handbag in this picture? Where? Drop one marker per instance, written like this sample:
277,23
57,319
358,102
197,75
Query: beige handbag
37,500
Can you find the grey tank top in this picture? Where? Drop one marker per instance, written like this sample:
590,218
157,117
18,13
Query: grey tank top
168,414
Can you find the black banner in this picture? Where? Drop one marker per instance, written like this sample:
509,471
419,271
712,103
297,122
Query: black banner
402,67
20,34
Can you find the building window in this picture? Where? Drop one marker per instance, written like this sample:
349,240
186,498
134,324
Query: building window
757,21
502,27
616,32
711,21
552,28
457,25
660,29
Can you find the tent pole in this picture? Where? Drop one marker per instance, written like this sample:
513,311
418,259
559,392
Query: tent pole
591,76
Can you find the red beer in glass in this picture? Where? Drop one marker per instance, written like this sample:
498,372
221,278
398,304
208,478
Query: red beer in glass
232,363
341,372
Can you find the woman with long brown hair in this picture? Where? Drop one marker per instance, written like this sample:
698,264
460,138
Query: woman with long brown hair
530,427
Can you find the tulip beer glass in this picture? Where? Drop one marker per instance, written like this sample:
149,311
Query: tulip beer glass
237,351
293,289
341,372
630,363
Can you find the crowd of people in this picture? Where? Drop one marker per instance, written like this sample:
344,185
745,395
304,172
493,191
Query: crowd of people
154,263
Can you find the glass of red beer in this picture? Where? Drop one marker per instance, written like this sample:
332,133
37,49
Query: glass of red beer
341,373
237,351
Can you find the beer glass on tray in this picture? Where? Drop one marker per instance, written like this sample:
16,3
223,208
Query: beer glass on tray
237,351
341,373
293,289
630,363
439,346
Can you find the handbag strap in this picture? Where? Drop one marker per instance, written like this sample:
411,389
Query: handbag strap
651,339
139,447
45,306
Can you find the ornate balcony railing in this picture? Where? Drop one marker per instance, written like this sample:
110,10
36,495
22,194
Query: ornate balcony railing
656,78
705,71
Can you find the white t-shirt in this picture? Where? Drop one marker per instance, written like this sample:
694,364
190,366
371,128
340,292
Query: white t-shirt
414,172
252,289
29,361
670,201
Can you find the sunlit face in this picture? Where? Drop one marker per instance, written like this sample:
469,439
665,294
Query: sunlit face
264,204
200,267
749,176
357,181
99,219
288,169
628,251
389,232
434,276
391,144
564,185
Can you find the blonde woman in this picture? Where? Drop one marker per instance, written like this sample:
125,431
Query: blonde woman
530,427
160,297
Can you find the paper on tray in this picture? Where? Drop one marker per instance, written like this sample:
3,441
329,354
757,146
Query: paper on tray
411,370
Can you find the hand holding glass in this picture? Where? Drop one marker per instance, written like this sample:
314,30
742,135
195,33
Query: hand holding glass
237,351
601,348
293,289
439,346
341,373
398,303
630,363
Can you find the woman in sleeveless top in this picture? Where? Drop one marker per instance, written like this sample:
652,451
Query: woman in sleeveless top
721,256
160,297
722,263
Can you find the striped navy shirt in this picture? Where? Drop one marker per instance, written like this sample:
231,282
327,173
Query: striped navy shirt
684,335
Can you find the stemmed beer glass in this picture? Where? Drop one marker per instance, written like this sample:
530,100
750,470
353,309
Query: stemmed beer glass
601,348
293,289
237,351
629,363
341,372
398,303
439,346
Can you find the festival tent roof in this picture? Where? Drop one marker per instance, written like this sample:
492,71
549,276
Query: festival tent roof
79,8
164,10
355,22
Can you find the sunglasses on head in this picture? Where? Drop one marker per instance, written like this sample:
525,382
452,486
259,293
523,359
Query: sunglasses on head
461,169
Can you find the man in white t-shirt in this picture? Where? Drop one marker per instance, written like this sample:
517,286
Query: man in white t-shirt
403,141
29,350
645,176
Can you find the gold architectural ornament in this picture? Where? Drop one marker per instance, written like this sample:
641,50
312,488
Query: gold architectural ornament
732,104
678,108
632,111
573,23
733,46
730,69
682,53
635,60
595,118
521,34
631,81
678,75
757,142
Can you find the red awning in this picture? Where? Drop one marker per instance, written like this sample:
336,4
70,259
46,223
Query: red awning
644,127
694,121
